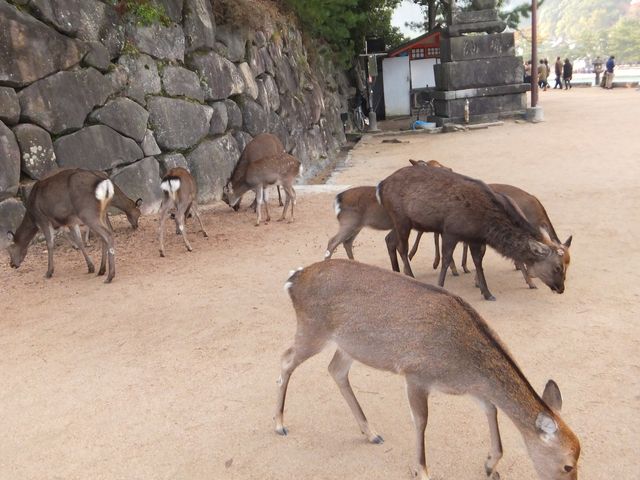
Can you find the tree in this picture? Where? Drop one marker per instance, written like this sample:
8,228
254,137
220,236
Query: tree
624,40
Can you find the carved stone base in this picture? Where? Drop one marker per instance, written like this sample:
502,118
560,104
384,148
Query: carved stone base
479,73
481,109
475,47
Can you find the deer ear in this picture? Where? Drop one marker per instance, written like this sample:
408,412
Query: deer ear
539,249
413,162
568,242
10,236
138,202
546,239
545,424
552,396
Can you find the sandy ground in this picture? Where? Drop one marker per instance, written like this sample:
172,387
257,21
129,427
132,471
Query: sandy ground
169,372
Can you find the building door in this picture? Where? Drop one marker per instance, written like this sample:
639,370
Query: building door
397,88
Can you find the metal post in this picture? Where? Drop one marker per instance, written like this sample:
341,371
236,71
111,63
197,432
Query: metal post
534,53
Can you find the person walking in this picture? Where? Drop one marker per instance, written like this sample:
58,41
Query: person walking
567,73
558,74
611,64
542,75
527,72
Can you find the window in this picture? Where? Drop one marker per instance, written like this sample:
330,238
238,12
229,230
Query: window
433,52
417,53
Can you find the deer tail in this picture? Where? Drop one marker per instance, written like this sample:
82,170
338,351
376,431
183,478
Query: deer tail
104,193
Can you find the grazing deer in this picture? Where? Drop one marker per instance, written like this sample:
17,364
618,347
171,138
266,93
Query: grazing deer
281,169
69,198
180,192
533,211
437,341
466,209
262,145
357,208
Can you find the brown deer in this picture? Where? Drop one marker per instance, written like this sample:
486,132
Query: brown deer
357,208
437,341
69,198
180,192
262,145
466,209
533,211
281,169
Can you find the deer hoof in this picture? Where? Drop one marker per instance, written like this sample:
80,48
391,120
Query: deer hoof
48,274
466,270
282,431
108,279
281,219
161,253
189,249
490,298
494,476
377,440
455,274
91,269
101,272
533,287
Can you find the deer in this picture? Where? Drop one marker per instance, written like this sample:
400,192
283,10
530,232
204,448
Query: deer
437,341
180,192
533,211
466,209
357,208
262,145
69,198
281,169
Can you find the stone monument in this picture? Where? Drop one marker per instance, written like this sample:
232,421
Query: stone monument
478,66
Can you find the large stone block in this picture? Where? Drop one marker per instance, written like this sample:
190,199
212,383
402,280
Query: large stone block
124,116
234,41
171,160
234,115
164,43
149,145
61,102
141,180
479,73
221,76
219,118
88,20
199,25
251,87
177,124
96,148
98,57
272,92
171,8
499,105
143,78
212,163
255,119
242,139
11,213
30,50
9,162
38,158
180,82
474,47
9,106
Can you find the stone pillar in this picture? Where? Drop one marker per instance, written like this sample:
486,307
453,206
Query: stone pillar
482,69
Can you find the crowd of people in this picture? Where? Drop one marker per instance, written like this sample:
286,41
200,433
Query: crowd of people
564,74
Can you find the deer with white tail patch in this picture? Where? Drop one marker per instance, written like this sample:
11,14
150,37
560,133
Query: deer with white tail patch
437,341
180,192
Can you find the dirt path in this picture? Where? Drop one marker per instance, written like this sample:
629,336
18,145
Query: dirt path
169,373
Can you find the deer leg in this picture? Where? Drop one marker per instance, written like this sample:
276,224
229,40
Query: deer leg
464,257
391,242
418,402
180,217
265,204
108,252
164,209
305,346
348,246
194,207
448,246
347,230
403,232
495,454
477,253
259,200
414,249
527,278
436,242
339,370
76,236
49,237
290,197
279,195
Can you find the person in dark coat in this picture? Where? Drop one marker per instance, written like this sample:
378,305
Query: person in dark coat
567,73
608,76
558,74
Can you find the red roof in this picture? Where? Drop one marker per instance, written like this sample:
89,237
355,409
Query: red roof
424,46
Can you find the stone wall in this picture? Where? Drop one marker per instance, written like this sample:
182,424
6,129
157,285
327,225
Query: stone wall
82,85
